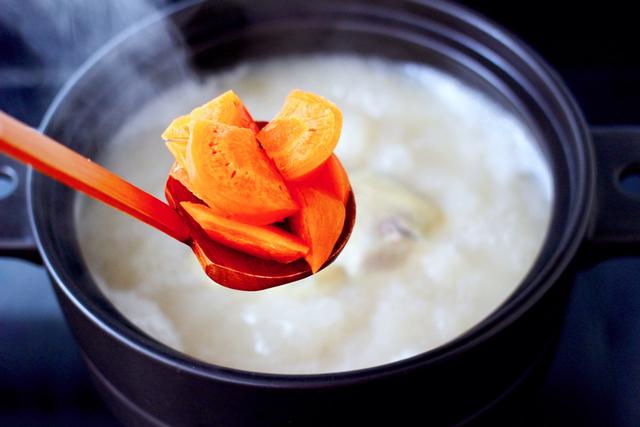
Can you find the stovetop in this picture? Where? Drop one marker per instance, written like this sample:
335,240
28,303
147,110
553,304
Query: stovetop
594,378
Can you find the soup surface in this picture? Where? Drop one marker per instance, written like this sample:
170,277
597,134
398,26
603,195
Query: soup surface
453,201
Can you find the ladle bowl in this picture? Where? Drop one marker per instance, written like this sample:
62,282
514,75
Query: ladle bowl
223,265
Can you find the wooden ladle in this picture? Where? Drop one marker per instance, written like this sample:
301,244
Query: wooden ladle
222,264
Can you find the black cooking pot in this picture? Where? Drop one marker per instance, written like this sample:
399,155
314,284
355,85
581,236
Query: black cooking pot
147,383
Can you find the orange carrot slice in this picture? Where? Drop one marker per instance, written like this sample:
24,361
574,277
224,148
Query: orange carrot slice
178,130
303,134
266,242
227,109
330,177
179,173
231,173
319,223
179,151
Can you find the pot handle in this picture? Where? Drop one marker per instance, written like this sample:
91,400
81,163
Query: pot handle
616,225
16,238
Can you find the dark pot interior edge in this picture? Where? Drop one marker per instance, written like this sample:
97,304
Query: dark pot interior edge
457,344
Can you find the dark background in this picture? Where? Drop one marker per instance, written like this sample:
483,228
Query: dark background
594,378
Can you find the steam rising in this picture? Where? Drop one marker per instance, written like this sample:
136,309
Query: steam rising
46,40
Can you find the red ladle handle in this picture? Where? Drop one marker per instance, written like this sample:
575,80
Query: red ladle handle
26,145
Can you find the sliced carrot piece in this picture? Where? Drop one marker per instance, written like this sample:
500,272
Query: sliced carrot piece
330,177
227,109
266,242
319,223
179,151
231,173
178,130
303,134
179,173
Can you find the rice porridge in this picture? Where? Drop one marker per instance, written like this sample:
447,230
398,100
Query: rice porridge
453,203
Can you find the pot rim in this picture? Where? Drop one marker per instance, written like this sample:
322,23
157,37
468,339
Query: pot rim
502,316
